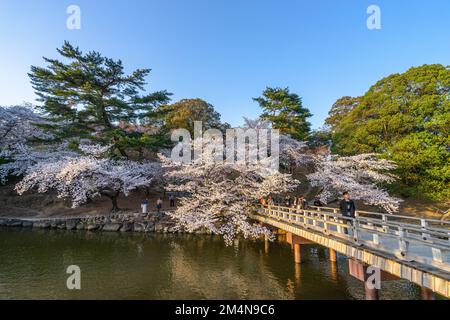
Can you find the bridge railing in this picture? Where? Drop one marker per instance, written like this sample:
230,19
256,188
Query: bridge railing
409,238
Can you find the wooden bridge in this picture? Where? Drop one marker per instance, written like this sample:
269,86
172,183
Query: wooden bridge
400,247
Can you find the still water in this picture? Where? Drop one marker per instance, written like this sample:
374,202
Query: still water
33,265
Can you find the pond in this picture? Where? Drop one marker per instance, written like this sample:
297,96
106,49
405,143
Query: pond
33,265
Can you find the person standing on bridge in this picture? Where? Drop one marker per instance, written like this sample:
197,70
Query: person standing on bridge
262,202
348,208
288,201
302,203
317,202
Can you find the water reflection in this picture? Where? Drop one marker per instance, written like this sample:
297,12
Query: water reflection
163,266
333,271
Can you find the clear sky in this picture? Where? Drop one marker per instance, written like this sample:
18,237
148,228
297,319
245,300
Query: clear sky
228,51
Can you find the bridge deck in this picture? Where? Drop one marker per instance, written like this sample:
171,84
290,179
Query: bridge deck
409,248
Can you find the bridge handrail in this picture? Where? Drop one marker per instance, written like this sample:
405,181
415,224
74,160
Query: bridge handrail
359,213
411,226
423,237
437,221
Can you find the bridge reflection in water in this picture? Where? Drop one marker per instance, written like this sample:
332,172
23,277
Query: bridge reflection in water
400,247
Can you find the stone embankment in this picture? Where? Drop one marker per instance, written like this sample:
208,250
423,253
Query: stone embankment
123,222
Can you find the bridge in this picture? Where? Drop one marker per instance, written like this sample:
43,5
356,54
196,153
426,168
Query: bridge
396,246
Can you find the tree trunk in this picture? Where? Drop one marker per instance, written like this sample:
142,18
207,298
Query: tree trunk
122,152
115,207
113,195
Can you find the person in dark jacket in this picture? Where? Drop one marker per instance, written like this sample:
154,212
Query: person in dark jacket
347,206
172,201
348,209
288,201
317,202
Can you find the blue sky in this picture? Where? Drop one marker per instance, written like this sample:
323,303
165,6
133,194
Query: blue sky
228,51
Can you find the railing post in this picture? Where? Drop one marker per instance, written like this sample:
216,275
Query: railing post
314,221
355,228
303,217
325,223
338,227
385,226
402,243
437,255
424,225
376,239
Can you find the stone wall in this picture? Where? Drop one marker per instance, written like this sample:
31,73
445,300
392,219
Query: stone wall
123,222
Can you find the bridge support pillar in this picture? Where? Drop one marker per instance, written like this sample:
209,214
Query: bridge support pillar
360,271
298,275
334,271
371,293
426,294
333,255
289,239
297,253
266,244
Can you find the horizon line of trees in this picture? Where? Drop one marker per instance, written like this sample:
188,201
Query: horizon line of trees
404,117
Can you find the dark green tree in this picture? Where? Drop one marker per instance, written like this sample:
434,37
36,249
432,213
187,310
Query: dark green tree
339,110
89,96
406,117
285,111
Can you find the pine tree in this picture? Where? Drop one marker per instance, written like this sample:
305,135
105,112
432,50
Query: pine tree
285,111
91,95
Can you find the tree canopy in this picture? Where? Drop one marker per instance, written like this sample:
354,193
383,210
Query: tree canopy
406,117
285,111
89,95
183,113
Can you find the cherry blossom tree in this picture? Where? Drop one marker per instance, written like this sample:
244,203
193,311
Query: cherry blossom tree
19,157
361,175
291,152
19,129
77,177
18,124
84,178
220,196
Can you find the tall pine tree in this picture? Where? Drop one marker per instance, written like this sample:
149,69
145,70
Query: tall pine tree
93,97
285,111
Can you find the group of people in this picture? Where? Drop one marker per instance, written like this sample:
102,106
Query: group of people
291,202
159,204
346,205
